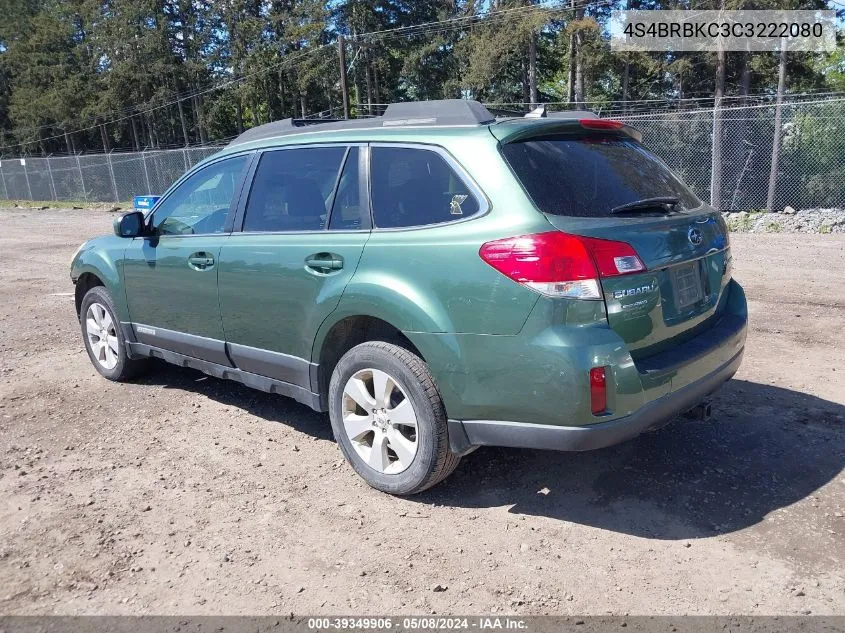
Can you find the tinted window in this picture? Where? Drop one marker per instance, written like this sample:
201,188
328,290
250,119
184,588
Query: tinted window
200,204
292,189
588,176
413,187
347,212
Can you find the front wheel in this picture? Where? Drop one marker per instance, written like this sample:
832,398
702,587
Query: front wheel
104,339
389,420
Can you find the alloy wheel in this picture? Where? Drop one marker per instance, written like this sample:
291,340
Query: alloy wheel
380,421
102,335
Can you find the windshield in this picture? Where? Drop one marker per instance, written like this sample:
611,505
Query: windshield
588,176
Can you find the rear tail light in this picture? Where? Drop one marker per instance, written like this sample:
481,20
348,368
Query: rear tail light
613,258
598,390
559,264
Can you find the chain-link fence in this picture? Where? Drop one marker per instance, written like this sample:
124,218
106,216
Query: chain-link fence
112,177
810,169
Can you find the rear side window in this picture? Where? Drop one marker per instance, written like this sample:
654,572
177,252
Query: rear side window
292,189
590,175
416,187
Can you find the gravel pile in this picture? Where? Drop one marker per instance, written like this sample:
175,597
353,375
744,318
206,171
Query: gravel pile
788,221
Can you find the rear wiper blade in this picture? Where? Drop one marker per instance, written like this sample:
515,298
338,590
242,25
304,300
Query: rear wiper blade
667,202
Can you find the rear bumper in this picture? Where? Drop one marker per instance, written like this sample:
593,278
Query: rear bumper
466,434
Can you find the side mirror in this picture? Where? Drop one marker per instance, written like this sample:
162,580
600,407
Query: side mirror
129,224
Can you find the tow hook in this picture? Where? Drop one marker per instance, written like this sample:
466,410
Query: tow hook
700,412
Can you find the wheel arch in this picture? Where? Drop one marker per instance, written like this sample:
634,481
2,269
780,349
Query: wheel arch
91,268
85,282
339,335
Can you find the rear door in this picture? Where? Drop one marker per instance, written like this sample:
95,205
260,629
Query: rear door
581,178
303,227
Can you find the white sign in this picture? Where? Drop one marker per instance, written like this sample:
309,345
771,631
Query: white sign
746,30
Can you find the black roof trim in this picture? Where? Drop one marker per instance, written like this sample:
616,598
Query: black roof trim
443,112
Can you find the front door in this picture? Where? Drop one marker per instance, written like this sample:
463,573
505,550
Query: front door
305,224
171,274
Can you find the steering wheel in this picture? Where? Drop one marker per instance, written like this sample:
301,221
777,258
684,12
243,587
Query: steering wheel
174,226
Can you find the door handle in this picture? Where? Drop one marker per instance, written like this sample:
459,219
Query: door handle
200,261
324,262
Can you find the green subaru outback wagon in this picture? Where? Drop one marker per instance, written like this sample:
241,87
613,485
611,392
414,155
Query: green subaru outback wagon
436,279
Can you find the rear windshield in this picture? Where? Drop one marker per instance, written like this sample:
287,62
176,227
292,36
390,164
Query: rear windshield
587,176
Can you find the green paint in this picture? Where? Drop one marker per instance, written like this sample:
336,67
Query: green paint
497,349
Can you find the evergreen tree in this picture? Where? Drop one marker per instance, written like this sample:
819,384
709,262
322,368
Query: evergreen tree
90,75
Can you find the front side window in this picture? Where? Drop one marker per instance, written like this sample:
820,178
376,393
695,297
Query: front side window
200,204
416,187
292,189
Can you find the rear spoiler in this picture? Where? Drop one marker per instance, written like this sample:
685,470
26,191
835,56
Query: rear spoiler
541,123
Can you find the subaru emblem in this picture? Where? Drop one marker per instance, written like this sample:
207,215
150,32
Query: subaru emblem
695,236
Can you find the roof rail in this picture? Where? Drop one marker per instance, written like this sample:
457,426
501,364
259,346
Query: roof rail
506,113
277,128
443,112
573,114
537,113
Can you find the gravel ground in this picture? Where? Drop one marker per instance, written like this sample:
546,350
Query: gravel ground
182,494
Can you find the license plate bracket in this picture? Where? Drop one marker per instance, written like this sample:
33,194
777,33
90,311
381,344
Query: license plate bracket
686,283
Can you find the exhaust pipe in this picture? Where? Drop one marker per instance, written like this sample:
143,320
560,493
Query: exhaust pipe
700,412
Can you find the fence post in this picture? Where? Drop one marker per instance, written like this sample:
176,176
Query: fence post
81,179
3,178
111,173
185,158
52,182
146,173
26,175
716,157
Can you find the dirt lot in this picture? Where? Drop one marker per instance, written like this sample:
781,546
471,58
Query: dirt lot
184,494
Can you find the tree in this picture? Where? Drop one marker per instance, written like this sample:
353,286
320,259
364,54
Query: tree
95,74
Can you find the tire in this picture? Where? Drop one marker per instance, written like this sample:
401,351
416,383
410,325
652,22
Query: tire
97,315
378,443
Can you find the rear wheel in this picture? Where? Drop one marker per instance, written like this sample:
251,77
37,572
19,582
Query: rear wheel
389,420
104,339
